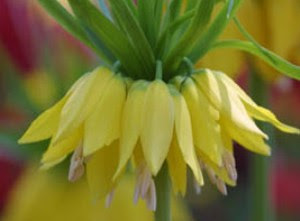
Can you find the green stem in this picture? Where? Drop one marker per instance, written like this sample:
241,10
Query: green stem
189,65
163,195
260,165
159,71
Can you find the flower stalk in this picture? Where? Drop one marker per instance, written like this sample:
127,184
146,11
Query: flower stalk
163,194
261,208
159,71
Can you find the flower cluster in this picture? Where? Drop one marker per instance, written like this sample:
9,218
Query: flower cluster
106,121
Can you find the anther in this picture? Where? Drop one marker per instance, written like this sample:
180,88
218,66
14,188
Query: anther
76,169
197,187
221,186
109,198
145,187
151,197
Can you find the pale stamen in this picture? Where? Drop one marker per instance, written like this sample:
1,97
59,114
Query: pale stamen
221,186
146,181
145,187
231,172
197,187
229,163
109,198
216,180
151,196
137,189
76,169
211,175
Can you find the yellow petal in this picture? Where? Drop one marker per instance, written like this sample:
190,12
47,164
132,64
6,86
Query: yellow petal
131,122
45,125
177,168
77,83
221,172
46,166
227,141
226,101
247,139
82,101
138,155
100,170
178,82
59,150
103,125
263,114
184,134
231,85
158,122
206,131
255,110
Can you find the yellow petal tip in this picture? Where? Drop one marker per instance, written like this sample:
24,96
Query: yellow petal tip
267,152
22,140
292,130
117,173
25,139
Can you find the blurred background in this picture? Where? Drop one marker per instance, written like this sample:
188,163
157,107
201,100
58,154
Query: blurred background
38,63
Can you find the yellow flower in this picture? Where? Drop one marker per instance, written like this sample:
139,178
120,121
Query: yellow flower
221,113
63,201
106,120
274,32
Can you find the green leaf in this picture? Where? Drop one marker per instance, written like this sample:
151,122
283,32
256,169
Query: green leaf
146,19
113,38
230,7
164,41
198,24
158,14
173,11
66,20
249,37
269,57
191,4
215,29
175,7
104,8
169,32
132,6
273,59
149,17
109,57
135,34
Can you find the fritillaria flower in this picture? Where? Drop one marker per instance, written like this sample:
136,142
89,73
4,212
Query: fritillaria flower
105,120
148,109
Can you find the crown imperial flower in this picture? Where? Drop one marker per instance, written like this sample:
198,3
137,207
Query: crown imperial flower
191,121
151,109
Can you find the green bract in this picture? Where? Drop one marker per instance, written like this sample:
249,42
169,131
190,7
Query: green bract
139,33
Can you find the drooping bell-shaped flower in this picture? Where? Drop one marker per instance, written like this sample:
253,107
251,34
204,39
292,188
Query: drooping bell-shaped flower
152,110
191,121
